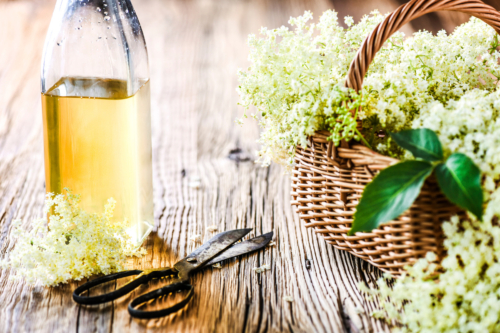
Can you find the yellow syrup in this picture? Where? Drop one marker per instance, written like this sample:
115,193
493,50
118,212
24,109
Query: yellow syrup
98,144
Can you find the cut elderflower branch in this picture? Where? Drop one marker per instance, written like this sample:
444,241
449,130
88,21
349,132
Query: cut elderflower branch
77,245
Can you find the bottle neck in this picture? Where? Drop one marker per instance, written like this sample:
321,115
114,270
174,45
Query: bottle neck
95,39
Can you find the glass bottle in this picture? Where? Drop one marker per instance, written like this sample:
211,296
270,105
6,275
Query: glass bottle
96,109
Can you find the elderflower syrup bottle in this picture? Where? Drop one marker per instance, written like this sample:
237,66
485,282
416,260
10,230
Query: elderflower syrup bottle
96,109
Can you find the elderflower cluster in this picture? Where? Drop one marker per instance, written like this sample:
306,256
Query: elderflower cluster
76,245
464,297
462,294
427,69
296,80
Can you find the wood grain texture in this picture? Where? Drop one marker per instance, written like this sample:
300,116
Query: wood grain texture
195,49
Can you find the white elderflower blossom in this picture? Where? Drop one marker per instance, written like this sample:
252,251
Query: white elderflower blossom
262,268
463,295
195,238
348,20
296,79
77,245
212,228
194,182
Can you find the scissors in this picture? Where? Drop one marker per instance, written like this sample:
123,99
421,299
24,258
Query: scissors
220,247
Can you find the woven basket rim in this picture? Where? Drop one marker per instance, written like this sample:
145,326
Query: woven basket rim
322,136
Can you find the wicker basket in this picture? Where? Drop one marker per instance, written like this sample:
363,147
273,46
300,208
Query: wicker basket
328,181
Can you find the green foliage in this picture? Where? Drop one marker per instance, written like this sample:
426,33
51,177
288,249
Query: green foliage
395,188
422,143
390,193
460,180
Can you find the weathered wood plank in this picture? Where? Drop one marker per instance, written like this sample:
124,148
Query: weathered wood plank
195,49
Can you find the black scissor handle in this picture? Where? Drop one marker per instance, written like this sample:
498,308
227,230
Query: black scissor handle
145,276
177,286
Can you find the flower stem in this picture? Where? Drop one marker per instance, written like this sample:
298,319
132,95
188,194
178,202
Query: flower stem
363,139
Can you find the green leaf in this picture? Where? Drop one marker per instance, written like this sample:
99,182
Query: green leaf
422,143
390,193
460,180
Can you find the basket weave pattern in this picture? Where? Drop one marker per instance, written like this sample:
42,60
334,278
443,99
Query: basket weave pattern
328,181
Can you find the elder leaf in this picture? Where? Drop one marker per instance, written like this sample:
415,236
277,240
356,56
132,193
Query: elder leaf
460,180
422,143
390,193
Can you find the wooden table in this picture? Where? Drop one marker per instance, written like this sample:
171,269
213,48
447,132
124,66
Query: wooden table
195,48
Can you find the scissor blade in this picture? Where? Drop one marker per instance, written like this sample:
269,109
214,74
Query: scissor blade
245,247
210,249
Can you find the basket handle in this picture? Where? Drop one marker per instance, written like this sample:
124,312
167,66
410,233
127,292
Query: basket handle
404,14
